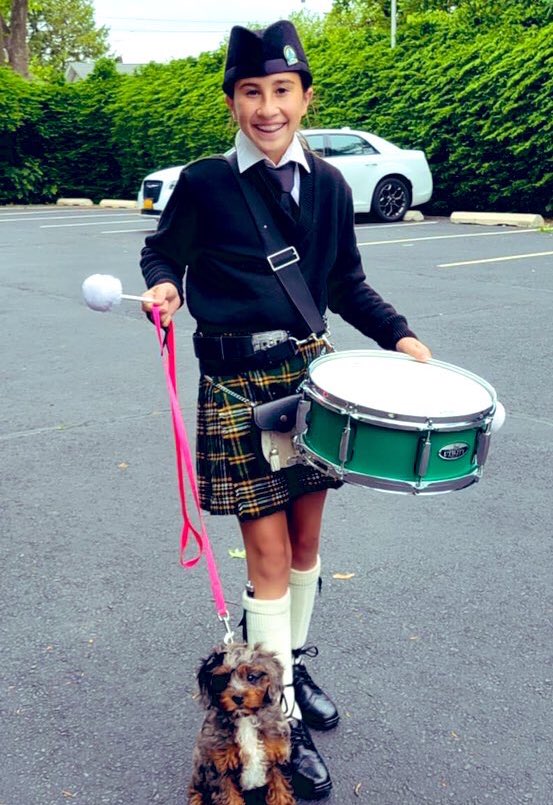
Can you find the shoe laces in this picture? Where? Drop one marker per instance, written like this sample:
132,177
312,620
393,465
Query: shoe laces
302,673
299,734
305,651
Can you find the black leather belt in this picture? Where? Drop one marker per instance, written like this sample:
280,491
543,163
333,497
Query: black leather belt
230,353
233,347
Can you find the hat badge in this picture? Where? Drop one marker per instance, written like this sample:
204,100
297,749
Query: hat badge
290,55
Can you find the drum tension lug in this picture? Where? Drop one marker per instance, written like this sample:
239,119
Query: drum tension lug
344,452
304,407
423,455
483,444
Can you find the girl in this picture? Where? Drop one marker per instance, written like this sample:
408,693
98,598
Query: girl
247,344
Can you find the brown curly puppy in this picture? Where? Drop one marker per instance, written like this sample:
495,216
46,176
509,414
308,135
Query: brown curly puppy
244,741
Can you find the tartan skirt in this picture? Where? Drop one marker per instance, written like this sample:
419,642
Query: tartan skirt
233,476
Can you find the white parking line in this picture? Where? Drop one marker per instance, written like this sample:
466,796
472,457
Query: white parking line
41,211
118,231
401,223
94,223
493,259
448,237
51,218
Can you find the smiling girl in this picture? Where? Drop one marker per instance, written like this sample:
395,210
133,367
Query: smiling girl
247,344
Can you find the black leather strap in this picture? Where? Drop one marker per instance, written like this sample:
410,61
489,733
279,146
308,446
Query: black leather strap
283,259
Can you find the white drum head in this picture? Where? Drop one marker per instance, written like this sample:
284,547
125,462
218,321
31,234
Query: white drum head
396,384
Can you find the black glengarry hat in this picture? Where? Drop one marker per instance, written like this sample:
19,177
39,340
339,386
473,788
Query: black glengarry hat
276,49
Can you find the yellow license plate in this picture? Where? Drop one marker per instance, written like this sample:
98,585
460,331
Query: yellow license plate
148,204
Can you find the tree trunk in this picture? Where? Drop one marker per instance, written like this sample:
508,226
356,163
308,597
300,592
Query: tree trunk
4,34
17,44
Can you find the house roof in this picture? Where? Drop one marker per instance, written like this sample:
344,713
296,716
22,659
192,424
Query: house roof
78,70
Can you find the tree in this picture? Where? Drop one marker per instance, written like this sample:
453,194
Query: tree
61,31
49,33
13,36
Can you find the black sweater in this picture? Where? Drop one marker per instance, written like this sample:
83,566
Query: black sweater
206,231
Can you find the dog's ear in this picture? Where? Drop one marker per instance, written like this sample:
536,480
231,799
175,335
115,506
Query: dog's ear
271,694
274,670
205,676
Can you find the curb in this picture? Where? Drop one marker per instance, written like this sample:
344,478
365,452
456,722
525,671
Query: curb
524,220
74,202
118,203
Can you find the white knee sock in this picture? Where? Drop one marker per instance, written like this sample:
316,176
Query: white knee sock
303,589
268,623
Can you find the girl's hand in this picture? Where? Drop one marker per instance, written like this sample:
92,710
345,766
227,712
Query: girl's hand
413,347
167,299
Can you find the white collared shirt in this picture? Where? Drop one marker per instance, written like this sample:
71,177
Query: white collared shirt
248,154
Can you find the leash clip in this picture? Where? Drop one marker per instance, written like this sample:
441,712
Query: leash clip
228,639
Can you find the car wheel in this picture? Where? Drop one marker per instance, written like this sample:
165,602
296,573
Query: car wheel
391,199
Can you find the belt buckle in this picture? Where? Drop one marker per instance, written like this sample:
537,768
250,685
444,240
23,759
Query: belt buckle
268,339
288,257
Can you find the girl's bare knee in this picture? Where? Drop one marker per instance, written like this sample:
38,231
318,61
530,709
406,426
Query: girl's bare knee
268,553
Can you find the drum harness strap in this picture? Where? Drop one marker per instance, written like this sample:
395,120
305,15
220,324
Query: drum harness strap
284,263
278,415
283,260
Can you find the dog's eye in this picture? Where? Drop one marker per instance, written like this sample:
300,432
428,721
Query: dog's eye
253,678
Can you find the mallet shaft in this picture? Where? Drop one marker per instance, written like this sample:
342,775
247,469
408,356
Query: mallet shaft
136,298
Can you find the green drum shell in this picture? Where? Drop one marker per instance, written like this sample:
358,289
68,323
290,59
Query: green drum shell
383,451
386,453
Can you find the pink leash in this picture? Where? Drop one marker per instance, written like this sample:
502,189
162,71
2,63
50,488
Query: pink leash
185,470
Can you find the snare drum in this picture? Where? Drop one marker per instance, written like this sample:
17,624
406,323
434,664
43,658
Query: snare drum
384,420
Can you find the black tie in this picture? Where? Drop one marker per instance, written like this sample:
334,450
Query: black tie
283,178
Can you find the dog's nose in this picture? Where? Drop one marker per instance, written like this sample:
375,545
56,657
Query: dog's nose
238,699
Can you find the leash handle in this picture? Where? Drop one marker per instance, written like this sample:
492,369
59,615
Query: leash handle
185,471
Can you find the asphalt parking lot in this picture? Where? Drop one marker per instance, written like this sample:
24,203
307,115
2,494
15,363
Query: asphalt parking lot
437,650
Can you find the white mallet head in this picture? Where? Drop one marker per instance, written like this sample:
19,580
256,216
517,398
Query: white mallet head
102,292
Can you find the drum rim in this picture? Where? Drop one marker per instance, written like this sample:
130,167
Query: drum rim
384,484
391,419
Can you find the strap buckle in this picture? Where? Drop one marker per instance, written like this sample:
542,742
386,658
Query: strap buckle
228,639
285,257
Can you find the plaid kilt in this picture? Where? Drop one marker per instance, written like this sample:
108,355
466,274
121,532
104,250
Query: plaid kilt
233,476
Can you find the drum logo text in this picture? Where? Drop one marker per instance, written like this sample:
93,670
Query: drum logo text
451,452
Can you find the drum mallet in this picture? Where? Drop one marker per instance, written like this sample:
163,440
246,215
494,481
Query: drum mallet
102,291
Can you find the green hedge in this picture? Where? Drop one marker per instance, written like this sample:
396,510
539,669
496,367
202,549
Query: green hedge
480,106
169,114
20,169
476,96
58,137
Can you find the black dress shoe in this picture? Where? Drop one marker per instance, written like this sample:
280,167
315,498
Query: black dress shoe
310,777
317,709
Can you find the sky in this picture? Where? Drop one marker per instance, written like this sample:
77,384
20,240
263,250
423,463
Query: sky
161,30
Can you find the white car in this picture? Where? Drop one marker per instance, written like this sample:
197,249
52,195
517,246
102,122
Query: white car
156,190
385,180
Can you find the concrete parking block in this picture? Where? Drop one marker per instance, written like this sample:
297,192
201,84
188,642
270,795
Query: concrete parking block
413,215
118,203
75,202
525,220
